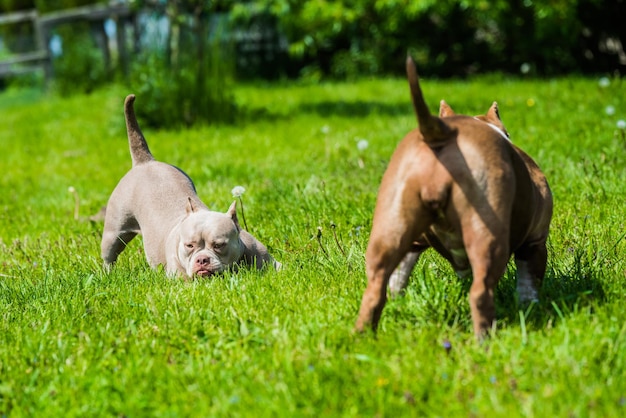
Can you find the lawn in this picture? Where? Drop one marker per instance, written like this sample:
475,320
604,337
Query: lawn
76,341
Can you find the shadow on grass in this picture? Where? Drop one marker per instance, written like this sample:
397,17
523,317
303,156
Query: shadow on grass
356,109
435,295
566,289
344,109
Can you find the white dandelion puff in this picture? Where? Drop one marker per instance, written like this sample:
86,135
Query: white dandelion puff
238,191
362,144
604,82
524,68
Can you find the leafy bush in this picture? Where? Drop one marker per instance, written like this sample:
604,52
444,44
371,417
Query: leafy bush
188,93
186,67
81,67
451,37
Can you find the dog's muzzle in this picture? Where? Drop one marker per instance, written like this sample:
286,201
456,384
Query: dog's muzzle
205,265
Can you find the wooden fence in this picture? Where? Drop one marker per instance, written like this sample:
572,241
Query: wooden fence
259,48
44,24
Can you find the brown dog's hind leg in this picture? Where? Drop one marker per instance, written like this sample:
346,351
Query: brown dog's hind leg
374,299
531,263
488,259
391,239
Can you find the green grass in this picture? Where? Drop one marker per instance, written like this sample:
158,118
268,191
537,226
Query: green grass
78,342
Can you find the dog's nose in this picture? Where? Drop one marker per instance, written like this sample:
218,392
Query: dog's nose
203,261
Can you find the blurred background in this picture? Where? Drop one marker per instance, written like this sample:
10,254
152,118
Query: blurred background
183,48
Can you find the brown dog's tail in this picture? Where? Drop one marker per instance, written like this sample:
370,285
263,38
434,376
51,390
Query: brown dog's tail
139,151
434,130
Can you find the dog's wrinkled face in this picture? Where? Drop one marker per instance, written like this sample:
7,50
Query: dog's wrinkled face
209,242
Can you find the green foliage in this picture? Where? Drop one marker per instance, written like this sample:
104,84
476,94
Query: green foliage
81,68
15,5
189,79
77,341
452,37
16,37
176,96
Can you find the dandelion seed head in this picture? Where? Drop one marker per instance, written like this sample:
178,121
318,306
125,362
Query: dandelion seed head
604,82
362,144
609,110
325,129
621,124
238,191
71,189
524,68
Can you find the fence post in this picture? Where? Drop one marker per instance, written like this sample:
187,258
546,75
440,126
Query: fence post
43,44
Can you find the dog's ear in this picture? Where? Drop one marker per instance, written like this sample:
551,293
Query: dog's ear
493,117
232,212
493,114
434,130
445,110
190,207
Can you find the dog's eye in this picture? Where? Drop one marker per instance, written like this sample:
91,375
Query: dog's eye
189,245
218,245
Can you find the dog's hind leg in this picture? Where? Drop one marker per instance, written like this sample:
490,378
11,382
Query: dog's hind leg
116,236
488,258
113,244
390,241
531,260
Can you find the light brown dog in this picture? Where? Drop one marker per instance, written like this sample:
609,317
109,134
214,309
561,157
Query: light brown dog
159,201
458,184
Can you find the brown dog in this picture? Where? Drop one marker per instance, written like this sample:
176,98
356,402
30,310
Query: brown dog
458,184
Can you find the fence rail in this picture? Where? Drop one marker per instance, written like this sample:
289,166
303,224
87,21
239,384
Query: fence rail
39,58
17,17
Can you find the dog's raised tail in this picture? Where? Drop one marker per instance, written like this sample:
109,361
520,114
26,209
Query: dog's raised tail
139,151
433,129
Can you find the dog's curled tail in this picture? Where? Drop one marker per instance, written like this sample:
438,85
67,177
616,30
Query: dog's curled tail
433,129
139,151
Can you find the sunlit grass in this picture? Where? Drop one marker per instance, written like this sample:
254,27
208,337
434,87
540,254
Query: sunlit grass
79,342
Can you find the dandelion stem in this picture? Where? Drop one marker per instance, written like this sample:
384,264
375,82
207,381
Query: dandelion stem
243,215
76,202
319,241
333,226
